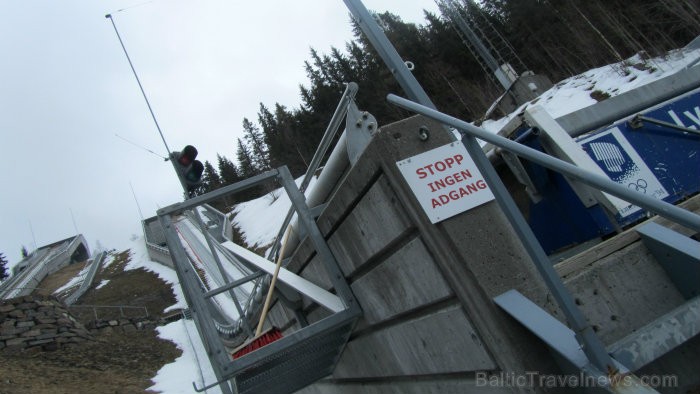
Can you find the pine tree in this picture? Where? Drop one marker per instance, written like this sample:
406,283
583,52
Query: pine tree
246,162
255,139
546,35
210,178
25,253
4,274
228,172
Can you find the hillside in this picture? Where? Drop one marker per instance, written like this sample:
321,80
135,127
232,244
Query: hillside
115,361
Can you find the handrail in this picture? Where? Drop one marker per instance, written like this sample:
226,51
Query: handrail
227,329
87,281
27,275
662,208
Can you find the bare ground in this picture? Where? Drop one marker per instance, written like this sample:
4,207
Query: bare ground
116,363
113,363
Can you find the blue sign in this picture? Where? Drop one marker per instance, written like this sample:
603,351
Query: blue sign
657,160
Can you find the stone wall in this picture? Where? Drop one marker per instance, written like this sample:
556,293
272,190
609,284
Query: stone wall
38,323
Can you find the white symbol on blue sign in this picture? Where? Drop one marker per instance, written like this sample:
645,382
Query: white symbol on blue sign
609,154
621,162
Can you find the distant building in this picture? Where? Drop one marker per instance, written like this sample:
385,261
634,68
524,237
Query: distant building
42,262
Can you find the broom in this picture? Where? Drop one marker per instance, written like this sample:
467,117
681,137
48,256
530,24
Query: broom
272,334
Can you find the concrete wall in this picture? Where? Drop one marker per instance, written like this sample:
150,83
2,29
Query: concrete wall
429,324
620,287
154,237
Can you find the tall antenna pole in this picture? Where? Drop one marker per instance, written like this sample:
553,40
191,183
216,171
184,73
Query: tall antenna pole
31,229
177,167
75,226
137,201
109,16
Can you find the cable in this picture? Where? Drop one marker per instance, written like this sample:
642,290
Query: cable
134,6
139,146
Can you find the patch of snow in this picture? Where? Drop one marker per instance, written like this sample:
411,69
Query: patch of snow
140,259
102,284
176,377
74,281
574,93
260,219
109,259
192,366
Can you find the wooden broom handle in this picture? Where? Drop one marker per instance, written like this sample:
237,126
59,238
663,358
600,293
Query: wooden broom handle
268,299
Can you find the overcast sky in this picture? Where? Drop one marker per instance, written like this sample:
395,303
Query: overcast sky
66,91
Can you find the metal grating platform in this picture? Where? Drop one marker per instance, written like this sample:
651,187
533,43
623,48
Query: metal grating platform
294,362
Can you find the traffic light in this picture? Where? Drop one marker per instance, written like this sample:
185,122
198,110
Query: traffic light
188,169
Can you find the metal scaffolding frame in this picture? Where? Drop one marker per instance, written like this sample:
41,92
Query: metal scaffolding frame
297,359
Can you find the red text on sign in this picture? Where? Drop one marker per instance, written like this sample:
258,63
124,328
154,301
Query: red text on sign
449,180
439,166
456,194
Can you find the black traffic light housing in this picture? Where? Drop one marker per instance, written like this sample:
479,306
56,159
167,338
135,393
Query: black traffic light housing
188,169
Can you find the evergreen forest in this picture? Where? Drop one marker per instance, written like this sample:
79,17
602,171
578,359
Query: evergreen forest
554,38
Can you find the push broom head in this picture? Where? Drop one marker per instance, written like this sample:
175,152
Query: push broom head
266,337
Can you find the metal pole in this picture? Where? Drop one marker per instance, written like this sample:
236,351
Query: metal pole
637,120
216,194
330,263
388,53
340,111
222,272
331,130
137,201
109,16
218,355
592,346
153,115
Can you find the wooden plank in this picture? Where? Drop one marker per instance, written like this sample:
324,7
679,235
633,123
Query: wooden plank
323,297
604,249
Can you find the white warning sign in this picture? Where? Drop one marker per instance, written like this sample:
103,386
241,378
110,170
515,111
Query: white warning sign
445,181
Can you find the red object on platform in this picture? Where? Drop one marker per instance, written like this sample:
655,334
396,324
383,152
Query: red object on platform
265,338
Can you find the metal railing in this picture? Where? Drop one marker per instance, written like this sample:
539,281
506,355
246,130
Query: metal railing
330,133
40,269
344,309
87,281
121,309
